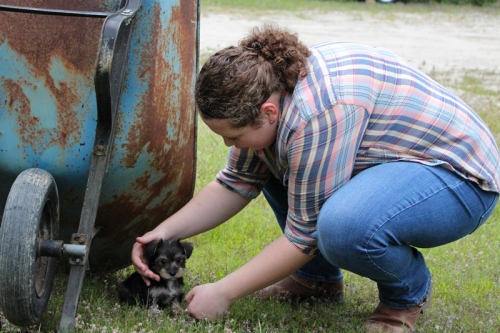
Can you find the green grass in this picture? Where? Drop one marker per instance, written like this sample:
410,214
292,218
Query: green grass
322,5
466,273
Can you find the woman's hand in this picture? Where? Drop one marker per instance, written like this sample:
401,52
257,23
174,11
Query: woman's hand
139,259
278,260
207,302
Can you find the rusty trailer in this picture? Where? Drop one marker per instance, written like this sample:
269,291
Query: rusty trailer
97,138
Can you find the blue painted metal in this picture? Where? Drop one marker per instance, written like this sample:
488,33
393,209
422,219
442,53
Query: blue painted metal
48,116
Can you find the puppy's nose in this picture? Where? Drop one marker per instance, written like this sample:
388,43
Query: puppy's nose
172,273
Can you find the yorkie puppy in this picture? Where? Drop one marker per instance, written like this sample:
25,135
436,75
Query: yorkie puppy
168,260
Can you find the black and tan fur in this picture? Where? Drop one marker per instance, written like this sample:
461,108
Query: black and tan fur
168,260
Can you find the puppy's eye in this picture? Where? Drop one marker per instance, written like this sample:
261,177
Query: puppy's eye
178,260
163,261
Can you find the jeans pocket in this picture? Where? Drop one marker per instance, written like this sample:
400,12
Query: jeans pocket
488,211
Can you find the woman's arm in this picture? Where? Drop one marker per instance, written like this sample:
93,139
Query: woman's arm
277,261
212,206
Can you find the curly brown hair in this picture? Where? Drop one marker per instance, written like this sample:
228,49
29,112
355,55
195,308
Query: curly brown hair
235,82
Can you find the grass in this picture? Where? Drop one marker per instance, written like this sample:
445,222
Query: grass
466,273
299,6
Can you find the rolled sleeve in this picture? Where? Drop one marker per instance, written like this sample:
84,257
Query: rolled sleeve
245,173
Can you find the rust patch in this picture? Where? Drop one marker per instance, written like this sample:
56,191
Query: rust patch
39,39
157,114
157,108
18,103
187,43
88,5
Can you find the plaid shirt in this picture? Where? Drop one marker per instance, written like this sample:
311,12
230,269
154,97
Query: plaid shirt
357,107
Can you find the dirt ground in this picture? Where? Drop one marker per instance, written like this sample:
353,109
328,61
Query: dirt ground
453,41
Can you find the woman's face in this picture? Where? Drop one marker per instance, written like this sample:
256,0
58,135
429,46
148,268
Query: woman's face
257,138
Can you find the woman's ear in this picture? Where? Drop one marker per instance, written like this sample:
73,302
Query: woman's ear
270,109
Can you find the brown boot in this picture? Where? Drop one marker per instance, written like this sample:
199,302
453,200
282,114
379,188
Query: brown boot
294,286
388,320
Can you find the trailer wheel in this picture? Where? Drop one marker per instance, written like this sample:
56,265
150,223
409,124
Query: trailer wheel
31,214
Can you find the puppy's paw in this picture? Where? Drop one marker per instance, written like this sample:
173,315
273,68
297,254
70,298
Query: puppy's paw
177,308
154,310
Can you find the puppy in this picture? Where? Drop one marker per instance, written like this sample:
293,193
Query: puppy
168,260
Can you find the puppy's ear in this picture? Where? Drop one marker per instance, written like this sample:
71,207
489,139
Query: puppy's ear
151,247
188,248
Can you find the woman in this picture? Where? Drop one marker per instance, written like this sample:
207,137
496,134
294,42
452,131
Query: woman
362,157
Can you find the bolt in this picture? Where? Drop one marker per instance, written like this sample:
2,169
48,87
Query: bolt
78,260
80,240
127,12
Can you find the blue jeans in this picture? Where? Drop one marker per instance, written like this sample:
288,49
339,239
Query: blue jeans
372,225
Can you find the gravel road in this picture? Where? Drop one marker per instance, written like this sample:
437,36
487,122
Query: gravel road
458,41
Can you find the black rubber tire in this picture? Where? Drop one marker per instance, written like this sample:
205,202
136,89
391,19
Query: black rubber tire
31,213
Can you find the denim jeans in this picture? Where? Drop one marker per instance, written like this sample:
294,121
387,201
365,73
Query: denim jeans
373,225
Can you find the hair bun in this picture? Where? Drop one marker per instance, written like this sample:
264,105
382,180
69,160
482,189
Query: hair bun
257,46
280,48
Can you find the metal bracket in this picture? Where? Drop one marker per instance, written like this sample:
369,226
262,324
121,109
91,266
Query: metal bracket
78,257
100,150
